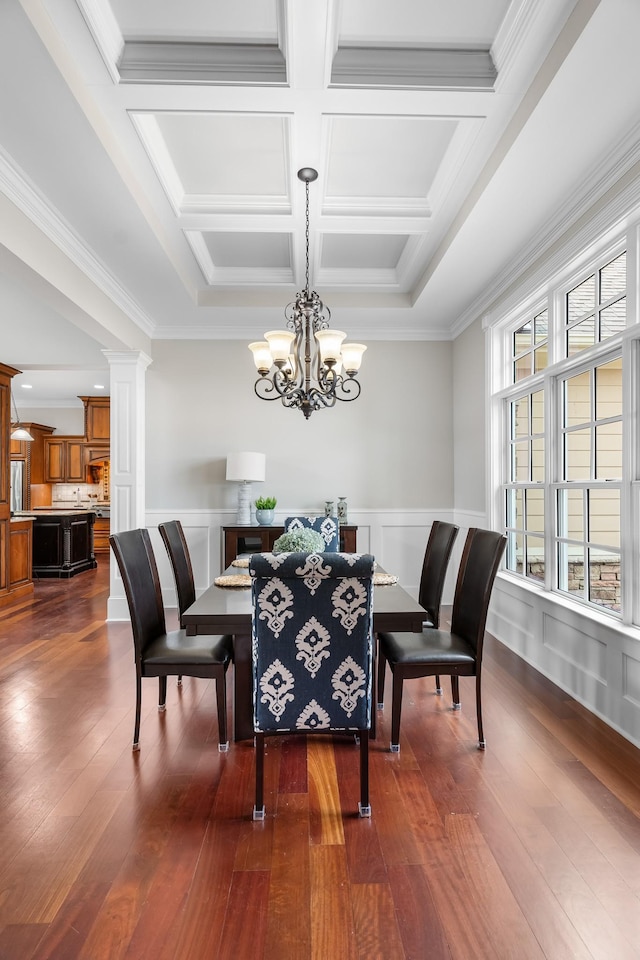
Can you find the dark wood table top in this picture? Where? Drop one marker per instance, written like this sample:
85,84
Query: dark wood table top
228,609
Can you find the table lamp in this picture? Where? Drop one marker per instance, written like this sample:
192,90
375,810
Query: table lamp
245,468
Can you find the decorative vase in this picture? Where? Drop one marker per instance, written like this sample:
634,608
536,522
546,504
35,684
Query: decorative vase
342,509
328,508
264,517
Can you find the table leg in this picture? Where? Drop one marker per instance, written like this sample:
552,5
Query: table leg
242,688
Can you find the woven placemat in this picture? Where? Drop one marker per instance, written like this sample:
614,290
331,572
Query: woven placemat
240,562
233,580
384,579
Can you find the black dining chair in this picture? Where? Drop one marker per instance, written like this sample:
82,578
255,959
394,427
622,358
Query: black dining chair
158,652
456,652
442,537
176,545
312,651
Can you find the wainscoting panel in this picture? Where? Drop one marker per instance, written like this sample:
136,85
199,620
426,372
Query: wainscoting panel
579,651
396,538
595,659
631,680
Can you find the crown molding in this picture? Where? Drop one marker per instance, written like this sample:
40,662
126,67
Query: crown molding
160,61
105,31
603,178
427,68
21,192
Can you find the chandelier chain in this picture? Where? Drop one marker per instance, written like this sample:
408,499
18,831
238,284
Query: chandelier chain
306,236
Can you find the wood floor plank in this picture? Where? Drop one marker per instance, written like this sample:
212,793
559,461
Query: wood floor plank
419,924
240,938
288,932
333,931
376,927
325,808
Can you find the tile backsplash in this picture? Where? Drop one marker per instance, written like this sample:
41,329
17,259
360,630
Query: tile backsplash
74,493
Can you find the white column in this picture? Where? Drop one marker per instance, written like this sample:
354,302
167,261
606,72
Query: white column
127,468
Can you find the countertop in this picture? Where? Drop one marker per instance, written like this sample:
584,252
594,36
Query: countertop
53,512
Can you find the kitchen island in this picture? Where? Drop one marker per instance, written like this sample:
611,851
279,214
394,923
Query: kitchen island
62,542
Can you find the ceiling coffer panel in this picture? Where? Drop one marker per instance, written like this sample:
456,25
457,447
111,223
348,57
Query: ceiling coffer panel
237,258
386,165
206,161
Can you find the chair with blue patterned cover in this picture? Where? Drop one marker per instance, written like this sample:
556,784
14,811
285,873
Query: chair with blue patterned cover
327,527
312,651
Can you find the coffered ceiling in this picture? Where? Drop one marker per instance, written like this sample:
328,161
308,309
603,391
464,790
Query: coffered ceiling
153,146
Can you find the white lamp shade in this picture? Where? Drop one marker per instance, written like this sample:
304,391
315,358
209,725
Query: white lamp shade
246,466
352,356
261,355
329,342
279,344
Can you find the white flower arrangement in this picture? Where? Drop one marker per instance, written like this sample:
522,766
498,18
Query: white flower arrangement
300,541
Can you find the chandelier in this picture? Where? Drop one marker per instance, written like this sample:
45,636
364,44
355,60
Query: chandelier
307,366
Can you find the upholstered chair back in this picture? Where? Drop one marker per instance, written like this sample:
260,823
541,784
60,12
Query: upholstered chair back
327,527
312,641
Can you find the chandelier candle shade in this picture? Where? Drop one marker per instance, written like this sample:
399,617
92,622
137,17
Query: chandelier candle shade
307,366
246,468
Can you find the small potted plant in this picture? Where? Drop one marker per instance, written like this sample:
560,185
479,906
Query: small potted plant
264,510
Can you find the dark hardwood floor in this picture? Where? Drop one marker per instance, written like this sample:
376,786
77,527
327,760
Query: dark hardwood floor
529,850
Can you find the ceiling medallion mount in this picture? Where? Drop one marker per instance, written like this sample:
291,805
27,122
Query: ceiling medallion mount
307,366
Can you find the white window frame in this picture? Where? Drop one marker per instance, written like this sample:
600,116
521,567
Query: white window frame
502,389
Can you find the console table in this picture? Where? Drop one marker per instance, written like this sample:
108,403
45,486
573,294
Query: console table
238,540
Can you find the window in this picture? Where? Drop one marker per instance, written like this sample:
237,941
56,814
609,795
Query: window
563,459
596,307
588,494
530,353
524,499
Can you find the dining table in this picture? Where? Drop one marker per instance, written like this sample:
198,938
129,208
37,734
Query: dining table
228,610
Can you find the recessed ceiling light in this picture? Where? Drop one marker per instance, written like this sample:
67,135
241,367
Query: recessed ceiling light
98,386
26,386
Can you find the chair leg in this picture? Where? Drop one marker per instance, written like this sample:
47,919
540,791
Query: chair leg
382,663
481,741
136,723
162,693
455,692
396,710
364,807
438,687
258,810
221,698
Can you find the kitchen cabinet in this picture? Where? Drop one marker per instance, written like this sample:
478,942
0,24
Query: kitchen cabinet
97,419
21,550
15,567
101,529
64,460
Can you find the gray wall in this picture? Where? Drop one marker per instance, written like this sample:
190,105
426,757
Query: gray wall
469,429
391,448
67,421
